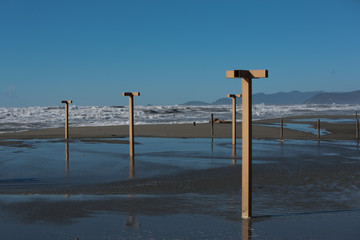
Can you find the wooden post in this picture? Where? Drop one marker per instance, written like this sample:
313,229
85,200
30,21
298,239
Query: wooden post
281,128
131,119
234,96
318,128
246,148
66,118
212,124
247,76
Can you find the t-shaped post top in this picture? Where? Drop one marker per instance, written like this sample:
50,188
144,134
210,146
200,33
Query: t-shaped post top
130,94
234,95
66,101
247,74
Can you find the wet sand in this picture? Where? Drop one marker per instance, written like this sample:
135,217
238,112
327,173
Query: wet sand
179,188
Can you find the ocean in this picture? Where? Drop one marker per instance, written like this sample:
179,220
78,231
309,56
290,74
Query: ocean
26,118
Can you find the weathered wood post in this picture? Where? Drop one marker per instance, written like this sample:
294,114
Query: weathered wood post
247,76
318,128
233,96
281,128
131,119
66,117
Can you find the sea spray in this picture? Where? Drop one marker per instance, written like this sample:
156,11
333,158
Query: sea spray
19,119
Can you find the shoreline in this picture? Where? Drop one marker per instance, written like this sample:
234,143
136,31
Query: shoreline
262,129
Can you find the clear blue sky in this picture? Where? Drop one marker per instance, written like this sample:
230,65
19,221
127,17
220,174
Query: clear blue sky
172,51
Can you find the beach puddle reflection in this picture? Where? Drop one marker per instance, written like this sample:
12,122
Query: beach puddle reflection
303,127
104,162
192,183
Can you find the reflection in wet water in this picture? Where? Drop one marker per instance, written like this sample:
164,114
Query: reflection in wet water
67,165
234,154
246,229
132,167
212,145
131,222
308,177
303,127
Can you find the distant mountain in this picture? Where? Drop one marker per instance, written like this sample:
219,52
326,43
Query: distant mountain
336,97
283,98
294,97
223,101
280,98
196,103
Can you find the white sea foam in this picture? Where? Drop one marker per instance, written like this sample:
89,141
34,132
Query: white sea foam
18,119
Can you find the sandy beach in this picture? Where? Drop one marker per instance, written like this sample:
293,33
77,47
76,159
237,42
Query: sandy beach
262,129
184,185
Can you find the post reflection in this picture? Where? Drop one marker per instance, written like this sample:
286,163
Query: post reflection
234,154
212,144
281,148
67,165
246,229
132,167
131,222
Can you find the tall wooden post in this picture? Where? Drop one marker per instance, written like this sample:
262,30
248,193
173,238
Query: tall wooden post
281,128
131,119
247,76
234,96
66,118
318,128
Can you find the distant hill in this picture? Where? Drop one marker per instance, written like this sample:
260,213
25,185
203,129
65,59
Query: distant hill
196,103
223,101
283,98
280,98
339,98
294,97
